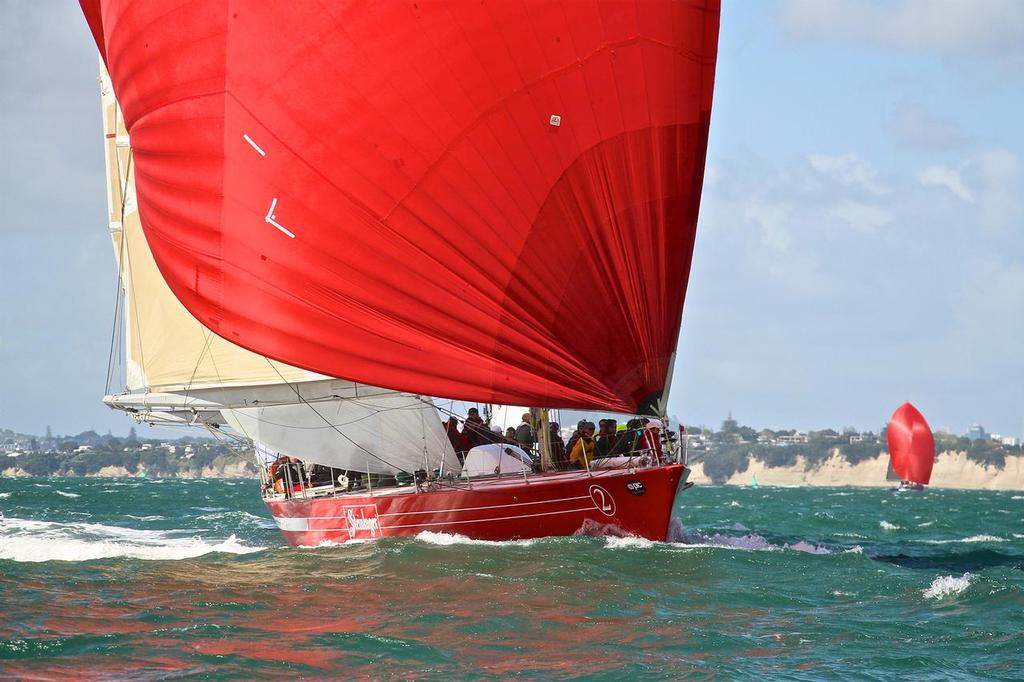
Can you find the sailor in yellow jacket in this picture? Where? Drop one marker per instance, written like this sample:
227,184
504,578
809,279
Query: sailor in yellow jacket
583,451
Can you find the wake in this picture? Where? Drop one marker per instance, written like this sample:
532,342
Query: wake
27,540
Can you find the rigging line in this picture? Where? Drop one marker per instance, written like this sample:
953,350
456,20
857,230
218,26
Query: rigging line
117,297
122,187
337,430
127,263
209,337
113,336
318,428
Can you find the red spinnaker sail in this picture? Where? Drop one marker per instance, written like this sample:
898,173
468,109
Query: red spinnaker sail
494,201
911,445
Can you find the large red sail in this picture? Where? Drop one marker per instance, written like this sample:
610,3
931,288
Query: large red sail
493,201
911,445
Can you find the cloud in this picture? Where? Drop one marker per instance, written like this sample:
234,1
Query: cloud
991,30
863,217
915,127
849,169
998,173
991,180
944,176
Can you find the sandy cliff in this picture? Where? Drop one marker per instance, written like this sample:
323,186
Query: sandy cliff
952,470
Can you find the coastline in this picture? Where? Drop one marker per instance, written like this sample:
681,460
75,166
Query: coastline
235,470
952,470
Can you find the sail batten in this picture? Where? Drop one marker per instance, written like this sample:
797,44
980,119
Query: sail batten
499,205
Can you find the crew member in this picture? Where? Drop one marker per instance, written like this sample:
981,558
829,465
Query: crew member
583,451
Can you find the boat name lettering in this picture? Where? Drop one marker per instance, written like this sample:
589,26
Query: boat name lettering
362,522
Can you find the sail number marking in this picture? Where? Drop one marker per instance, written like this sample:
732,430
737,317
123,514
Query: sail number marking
271,218
603,500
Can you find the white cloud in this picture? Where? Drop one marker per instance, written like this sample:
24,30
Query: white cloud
988,29
863,217
1001,183
849,169
944,176
911,125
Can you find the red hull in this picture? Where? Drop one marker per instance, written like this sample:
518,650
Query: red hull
614,501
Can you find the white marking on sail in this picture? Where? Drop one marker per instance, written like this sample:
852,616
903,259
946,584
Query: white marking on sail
270,219
253,144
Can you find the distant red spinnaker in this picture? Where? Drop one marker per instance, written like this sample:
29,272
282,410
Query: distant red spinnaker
911,446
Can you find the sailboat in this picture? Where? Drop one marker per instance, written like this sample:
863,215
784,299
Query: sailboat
331,223
911,447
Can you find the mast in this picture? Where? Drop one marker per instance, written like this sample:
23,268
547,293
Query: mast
539,416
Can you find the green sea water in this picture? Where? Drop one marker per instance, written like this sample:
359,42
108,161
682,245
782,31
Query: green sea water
164,579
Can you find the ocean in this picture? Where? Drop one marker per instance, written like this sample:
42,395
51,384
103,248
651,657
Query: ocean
158,579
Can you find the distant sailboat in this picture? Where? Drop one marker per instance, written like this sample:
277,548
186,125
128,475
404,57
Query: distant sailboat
911,447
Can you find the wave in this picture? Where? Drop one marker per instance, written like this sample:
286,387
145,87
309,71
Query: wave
947,585
628,542
4,496
973,538
28,540
64,494
749,542
334,543
963,560
238,515
885,525
449,539
925,524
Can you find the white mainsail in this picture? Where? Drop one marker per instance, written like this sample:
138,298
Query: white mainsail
178,371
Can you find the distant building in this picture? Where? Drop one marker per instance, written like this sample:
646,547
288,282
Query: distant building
795,439
977,432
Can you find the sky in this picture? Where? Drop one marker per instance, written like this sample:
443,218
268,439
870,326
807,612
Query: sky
861,239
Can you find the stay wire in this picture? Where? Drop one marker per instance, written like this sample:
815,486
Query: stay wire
326,420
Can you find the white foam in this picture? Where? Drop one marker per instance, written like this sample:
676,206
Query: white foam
64,494
335,543
885,525
238,516
807,548
925,524
856,549
734,503
449,539
37,541
4,496
984,538
751,543
1017,497
628,542
947,585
